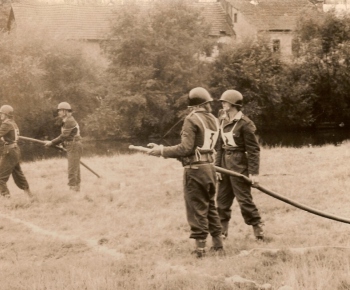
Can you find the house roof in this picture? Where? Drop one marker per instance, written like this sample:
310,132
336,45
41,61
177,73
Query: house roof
215,15
272,14
93,22
70,21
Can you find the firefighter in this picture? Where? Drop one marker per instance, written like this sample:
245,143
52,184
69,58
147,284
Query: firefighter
199,134
11,155
71,140
237,150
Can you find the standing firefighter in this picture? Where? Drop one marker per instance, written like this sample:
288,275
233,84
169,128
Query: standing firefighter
71,140
237,150
11,155
199,134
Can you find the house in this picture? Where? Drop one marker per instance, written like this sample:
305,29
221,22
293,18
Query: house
91,24
229,19
214,13
338,5
88,24
276,18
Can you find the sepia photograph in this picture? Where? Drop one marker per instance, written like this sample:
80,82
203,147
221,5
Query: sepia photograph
174,144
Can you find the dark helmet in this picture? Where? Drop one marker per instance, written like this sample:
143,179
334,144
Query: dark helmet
233,97
198,96
7,110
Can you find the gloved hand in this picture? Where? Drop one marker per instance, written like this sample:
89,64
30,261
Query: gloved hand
218,176
48,143
254,179
156,150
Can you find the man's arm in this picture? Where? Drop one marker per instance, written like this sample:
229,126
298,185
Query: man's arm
252,148
67,129
185,148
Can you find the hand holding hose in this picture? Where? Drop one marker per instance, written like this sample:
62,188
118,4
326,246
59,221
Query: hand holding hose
255,179
156,150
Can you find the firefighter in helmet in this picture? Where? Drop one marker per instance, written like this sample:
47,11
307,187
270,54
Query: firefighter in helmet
237,150
199,134
10,159
71,141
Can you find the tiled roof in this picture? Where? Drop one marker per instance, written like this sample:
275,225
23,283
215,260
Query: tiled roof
93,22
70,21
215,15
272,14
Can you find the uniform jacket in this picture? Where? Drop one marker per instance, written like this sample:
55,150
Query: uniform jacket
69,130
192,135
244,138
9,131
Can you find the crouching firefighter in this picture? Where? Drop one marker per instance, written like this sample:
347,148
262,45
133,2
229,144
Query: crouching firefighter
11,155
199,134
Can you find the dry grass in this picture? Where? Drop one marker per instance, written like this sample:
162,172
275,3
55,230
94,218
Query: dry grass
128,230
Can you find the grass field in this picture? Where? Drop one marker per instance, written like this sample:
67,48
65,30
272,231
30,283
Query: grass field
128,230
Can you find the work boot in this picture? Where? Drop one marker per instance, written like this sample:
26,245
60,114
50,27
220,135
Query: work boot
259,231
224,232
200,248
217,249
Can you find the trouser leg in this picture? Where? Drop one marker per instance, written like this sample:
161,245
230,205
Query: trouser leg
199,188
7,163
242,192
196,210
224,202
73,155
19,178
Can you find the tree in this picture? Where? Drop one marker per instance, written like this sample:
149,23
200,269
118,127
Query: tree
39,72
154,52
252,68
323,59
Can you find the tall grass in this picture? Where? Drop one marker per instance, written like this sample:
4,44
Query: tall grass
128,230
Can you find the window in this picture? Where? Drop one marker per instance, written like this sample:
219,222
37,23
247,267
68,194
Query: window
276,45
235,18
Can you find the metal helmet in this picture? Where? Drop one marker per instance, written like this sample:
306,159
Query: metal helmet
233,97
198,96
7,110
64,106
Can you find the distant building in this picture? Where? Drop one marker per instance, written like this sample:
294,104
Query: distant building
337,5
91,24
275,18
230,20
88,24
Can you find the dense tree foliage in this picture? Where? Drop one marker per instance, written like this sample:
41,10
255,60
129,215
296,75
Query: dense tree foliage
39,72
154,61
156,55
275,95
323,60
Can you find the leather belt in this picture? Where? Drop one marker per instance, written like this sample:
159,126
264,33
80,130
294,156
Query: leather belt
205,157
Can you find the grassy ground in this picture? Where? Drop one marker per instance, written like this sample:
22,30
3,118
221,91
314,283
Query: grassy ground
128,230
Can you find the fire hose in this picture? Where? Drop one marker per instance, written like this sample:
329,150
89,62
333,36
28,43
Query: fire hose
57,147
266,191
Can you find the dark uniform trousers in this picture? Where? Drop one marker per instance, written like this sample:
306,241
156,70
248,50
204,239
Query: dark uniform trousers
199,189
231,187
9,164
74,152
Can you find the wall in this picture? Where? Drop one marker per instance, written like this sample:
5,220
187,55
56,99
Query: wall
242,27
285,40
